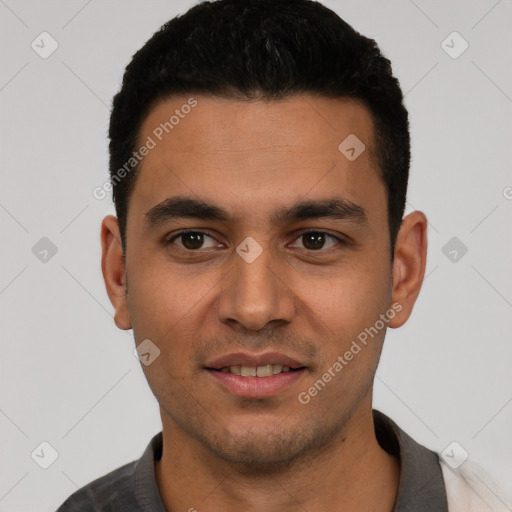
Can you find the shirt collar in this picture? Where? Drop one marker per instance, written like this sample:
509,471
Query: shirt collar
421,487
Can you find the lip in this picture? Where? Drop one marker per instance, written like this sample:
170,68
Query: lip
256,387
244,359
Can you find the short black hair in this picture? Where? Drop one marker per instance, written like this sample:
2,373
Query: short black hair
262,50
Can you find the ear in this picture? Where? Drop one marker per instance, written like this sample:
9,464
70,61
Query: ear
114,270
409,265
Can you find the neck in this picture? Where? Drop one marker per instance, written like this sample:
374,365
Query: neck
353,472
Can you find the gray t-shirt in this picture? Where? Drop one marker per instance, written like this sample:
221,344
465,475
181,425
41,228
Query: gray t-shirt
133,487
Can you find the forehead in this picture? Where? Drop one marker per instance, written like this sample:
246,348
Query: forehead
254,154
300,123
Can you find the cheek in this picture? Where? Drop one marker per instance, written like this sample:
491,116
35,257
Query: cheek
352,331
163,310
159,299
349,314
171,306
353,299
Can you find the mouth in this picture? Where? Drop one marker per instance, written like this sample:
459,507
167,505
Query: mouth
267,370
260,376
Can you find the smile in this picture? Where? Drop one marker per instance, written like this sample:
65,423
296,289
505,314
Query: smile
266,370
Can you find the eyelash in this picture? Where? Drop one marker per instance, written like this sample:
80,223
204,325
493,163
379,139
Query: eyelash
169,241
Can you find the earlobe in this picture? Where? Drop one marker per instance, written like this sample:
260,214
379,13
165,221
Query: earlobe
114,270
409,265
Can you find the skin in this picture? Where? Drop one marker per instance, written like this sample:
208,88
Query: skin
222,452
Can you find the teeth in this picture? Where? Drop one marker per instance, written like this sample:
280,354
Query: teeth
252,371
277,368
234,369
264,371
248,371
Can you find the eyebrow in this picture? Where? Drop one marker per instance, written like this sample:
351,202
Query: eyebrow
187,207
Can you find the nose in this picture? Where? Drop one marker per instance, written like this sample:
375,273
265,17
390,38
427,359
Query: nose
256,292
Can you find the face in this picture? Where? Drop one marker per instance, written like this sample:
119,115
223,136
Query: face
253,244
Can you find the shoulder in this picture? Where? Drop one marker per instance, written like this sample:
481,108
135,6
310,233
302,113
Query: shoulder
113,491
471,489
130,488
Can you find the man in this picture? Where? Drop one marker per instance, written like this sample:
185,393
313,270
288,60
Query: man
259,158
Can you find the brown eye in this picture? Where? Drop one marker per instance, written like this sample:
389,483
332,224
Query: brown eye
316,240
191,240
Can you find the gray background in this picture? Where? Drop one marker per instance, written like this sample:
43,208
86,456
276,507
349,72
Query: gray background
68,375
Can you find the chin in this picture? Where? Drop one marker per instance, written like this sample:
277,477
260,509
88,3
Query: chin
263,450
